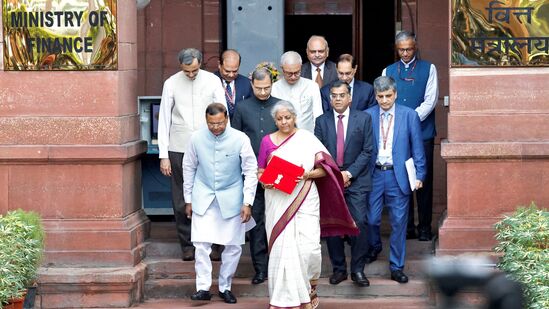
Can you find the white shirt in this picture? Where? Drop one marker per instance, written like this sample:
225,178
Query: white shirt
431,91
345,121
385,155
314,73
305,97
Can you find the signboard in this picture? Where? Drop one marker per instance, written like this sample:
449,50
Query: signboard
500,32
60,35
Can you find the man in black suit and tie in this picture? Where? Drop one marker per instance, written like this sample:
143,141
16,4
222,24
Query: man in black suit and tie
319,69
253,117
362,93
347,134
237,86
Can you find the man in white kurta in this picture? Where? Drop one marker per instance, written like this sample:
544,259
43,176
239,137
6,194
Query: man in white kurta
185,96
218,199
303,93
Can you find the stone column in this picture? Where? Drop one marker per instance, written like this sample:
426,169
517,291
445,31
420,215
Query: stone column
69,149
497,151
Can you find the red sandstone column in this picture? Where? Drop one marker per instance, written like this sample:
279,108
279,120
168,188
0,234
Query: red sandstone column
69,149
497,151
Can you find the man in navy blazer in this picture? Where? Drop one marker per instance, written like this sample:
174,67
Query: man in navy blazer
317,53
237,86
397,138
362,93
352,149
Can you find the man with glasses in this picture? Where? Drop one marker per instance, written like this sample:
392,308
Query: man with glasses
417,86
220,178
319,68
362,93
347,134
303,93
184,97
253,117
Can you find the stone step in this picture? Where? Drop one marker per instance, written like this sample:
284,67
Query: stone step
379,287
170,248
174,268
263,302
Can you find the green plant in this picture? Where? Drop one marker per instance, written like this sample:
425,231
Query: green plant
524,241
21,249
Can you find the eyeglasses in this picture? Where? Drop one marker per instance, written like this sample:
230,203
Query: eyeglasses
346,73
334,96
407,50
216,124
290,74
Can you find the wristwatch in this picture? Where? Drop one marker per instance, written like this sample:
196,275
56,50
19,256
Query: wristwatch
248,205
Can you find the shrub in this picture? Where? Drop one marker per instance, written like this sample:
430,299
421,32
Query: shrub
21,249
524,241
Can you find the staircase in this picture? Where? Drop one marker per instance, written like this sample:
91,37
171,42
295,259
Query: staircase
170,281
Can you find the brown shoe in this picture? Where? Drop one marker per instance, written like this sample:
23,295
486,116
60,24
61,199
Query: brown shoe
215,255
188,254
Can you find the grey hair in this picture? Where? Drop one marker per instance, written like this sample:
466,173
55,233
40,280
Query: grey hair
384,83
290,57
187,55
405,36
260,74
280,105
317,37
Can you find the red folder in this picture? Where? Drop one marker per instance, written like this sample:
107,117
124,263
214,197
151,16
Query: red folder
282,174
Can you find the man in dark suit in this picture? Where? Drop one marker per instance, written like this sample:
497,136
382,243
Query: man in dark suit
237,86
362,93
319,69
253,117
397,138
347,134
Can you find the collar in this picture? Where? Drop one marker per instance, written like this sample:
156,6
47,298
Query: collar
345,113
352,84
406,65
391,110
313,67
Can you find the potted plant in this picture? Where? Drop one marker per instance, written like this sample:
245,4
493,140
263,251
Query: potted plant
21,249
524,241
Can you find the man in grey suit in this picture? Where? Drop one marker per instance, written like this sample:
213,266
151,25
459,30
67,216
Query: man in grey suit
319,68
253,117
347,134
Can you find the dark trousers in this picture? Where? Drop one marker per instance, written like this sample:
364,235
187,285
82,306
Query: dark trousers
182,223
358,205
424,195
258,235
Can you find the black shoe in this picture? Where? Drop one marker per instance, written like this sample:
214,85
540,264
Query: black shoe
411,234
188,254
228,297
424,235
360,279
215,255
259,277
399,276
337,277
371,255
201,295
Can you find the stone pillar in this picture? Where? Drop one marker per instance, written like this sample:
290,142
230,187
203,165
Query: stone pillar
497,151
69,149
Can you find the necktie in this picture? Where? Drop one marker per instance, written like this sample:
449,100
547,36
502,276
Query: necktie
340,141
318,79
229,98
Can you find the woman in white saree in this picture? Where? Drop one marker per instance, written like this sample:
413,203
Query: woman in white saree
293,220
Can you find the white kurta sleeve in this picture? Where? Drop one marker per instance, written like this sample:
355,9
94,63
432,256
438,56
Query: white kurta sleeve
317,102
431,95
165,119
249,169
190,162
